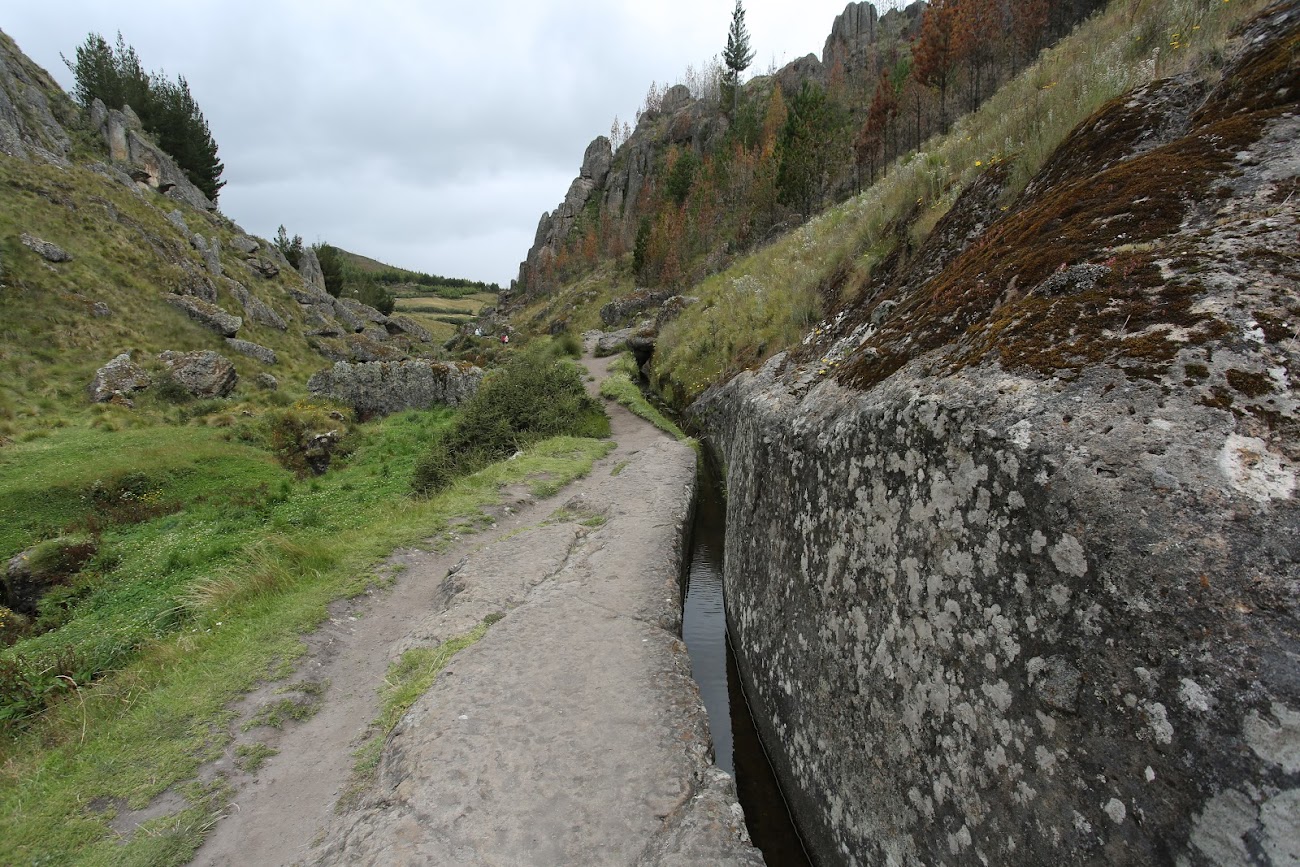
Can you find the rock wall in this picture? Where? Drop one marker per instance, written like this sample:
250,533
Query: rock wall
380,387
978,627
1014,573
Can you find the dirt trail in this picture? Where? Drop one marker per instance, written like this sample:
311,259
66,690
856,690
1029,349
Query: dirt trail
571,733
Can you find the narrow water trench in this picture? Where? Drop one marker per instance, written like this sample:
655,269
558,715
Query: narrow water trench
737,748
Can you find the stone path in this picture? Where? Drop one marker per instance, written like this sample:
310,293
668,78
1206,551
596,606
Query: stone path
570,734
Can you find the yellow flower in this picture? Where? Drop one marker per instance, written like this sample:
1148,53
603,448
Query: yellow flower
978,163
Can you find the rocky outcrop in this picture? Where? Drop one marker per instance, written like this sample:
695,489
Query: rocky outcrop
46,250
856,31
264,354
255,308
1012,574
266,381
380,388
309,269
33,109
620,310
118,380
206,314
203,373
148,165
405,325
32,573
553,228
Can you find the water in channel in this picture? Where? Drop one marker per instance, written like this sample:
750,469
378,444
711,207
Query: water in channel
737,748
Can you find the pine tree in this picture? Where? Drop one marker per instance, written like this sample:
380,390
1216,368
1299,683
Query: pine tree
738,53
166,108
936,53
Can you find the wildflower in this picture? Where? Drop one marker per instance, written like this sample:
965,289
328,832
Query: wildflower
978,163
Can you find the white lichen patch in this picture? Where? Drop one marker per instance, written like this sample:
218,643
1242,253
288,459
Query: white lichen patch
1158,722
1278,744
1254,471
1067,555
1192,696
1116,810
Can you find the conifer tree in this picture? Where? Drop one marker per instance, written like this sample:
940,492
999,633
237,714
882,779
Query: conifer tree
166,108
738,53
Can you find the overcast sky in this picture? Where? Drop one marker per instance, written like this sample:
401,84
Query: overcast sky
430,135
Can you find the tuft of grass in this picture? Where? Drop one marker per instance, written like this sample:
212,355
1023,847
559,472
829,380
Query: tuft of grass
251,757
406,680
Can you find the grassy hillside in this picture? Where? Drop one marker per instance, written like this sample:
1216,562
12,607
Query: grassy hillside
767,300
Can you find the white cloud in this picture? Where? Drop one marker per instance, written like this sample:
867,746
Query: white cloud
430,135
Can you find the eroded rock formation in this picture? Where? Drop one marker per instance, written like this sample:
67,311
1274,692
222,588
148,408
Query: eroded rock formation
380,387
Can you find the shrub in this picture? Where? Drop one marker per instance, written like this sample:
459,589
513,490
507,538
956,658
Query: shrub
532,398
294,434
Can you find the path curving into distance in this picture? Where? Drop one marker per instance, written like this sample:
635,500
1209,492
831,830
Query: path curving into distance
571,733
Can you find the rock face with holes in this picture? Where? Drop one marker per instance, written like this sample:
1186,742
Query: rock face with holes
1013,549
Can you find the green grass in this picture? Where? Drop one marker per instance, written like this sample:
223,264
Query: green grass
765,302
620,388
190,609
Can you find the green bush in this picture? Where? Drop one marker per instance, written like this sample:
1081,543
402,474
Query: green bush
532,398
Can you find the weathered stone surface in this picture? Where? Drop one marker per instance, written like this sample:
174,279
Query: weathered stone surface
379,388
672,308
256,309
266,381
363,312
149,166
196,284
408,326
212,257
262,267
244,244
206,314
203,373
362,348
618,311
309,268
264,354
46,250
120,377
33,109
997,606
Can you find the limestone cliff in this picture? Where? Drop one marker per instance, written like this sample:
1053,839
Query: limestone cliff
1013,537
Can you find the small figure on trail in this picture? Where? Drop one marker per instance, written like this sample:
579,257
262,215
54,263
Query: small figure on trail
478,332
505,338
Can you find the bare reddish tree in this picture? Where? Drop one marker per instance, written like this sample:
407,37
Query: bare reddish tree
937,51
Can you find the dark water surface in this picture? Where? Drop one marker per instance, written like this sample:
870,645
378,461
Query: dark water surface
738,749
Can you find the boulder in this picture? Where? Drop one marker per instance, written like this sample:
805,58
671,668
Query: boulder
202,373
622,309
206,314
364,312
409,327
310,270
379,388
244,244
30,574
48,251
263,354
672,308
196,284
119,378
262,267
266,382
256,309
362,348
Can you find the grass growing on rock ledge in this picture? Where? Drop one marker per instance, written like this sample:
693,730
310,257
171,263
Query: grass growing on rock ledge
621,388
766,301
188,604
407,679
